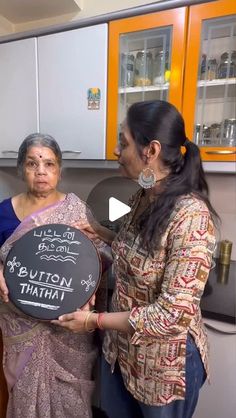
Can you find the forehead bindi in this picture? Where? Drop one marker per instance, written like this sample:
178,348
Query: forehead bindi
41,153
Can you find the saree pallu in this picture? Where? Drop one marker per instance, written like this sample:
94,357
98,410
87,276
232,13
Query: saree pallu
48,369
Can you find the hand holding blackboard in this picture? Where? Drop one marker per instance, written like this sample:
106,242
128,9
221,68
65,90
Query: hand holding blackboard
52,270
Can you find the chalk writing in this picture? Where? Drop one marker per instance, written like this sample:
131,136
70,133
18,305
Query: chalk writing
58,243
52,270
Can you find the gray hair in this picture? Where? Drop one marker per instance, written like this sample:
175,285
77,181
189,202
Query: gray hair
37,139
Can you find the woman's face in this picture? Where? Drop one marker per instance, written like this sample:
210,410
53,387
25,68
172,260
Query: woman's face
131,164
41,170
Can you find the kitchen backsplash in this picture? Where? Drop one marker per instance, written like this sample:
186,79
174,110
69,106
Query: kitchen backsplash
81,181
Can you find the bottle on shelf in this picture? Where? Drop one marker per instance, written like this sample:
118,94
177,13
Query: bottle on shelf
127,70
160,68
212,69
143,68
227,67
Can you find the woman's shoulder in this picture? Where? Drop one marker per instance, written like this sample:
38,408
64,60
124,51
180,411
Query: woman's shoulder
5,206
191,204
8,220
7,211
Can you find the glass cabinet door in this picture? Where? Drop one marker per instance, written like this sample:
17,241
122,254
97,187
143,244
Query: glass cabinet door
209,104
146,61
215,111
144,67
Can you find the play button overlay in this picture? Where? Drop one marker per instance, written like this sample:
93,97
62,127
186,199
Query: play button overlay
117,209
109,200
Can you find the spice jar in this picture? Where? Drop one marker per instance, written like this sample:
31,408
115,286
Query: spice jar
212,69
143,69
215,130
230,131
225,252
197,133
227,66
127,70
160,65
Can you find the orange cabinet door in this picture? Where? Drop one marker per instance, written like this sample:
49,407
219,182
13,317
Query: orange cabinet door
146,62
209,104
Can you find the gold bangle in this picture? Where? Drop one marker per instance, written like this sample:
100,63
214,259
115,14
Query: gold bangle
86,322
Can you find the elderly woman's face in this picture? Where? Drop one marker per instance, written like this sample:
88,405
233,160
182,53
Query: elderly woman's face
41,170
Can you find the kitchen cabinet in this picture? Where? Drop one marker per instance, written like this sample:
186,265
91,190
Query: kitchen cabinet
209,101
199,42
146,61
72,90
18,97
55,84
217,399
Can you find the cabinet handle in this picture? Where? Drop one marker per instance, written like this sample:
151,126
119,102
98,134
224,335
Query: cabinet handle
222,152
71,152
220,331
10,152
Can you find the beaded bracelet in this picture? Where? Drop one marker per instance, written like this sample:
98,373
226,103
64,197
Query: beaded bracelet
86,321
99,324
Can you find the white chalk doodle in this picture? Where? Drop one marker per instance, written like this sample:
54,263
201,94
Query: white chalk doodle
58,258
12,264
41,305
88,283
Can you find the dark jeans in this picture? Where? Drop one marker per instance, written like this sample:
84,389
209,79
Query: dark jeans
119,403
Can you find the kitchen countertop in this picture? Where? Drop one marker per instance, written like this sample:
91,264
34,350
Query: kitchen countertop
219,298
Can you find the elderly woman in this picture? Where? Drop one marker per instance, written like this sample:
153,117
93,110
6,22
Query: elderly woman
48,370
155,347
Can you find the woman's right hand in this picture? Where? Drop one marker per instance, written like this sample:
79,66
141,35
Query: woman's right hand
3,287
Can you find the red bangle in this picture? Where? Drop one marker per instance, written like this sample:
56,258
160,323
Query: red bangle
99,324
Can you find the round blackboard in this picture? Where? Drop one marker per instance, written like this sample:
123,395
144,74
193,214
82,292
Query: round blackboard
52,270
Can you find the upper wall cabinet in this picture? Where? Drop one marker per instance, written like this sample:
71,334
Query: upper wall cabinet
146,61
209,106
72,90
18,94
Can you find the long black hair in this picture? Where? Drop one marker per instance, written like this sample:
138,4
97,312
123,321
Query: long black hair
161,121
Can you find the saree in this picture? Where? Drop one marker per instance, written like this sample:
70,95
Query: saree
48,369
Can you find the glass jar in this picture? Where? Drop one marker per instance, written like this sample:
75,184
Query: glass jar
230,132
197,133
212,69
127,70
215,130
227,66
160,65
143,69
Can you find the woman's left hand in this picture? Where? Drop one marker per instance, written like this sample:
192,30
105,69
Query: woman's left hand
74,321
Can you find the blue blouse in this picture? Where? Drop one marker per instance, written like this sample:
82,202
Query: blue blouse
8,220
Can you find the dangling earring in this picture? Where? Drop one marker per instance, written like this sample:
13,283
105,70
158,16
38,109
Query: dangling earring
147,178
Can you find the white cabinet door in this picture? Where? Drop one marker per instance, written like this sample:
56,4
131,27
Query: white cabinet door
18,94
217,399
70,63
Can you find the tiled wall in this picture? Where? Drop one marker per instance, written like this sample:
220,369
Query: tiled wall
81,181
